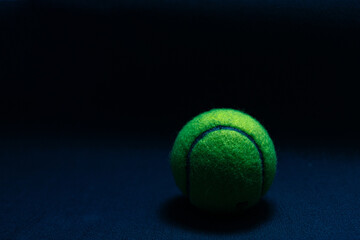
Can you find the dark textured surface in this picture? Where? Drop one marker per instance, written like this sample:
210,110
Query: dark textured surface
116,188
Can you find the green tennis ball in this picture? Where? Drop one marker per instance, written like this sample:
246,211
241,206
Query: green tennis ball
223,160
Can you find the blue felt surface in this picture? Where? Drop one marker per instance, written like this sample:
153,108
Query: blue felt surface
123,189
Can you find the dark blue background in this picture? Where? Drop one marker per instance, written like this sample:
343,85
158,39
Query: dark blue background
106,64
93,93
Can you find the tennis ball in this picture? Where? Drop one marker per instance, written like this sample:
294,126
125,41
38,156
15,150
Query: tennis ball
223,160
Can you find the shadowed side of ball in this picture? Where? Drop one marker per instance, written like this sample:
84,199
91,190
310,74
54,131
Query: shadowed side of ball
223,160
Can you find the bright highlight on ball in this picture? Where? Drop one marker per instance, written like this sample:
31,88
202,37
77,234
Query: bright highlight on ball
223,160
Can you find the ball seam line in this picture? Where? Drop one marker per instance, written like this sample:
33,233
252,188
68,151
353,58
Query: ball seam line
217,128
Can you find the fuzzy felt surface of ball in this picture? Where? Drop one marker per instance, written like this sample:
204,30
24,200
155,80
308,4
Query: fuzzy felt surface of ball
223,160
